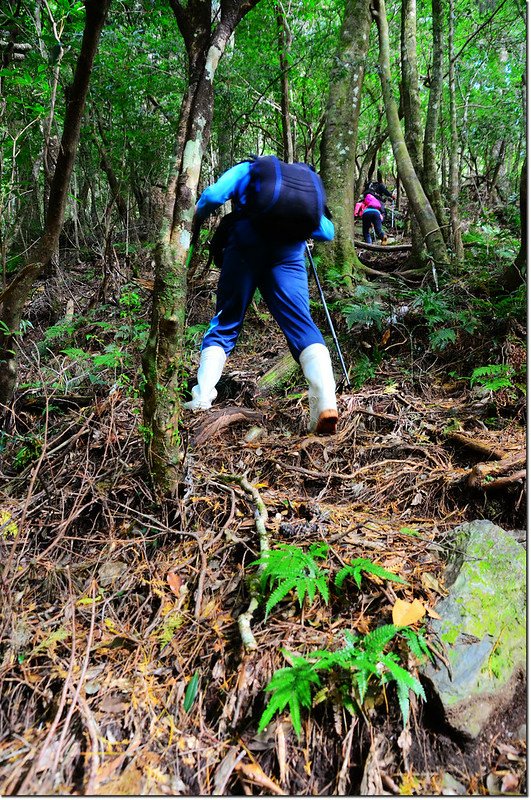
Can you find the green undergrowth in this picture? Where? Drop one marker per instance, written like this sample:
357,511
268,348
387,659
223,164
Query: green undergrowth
349,674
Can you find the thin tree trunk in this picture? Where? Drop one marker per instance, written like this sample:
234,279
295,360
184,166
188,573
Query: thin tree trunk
411,107
284,44
13,298
162,358
114,184
368,158
431,183
418,201
410,85
338,147
515,273
455,221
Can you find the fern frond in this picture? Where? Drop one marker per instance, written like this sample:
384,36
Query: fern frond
405,682
290,686
401,675
402,692
283,588
375,641
365,565
417,644
288,568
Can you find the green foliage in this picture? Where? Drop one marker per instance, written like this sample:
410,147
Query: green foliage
362,662
28,449
358,566
363,371
191,691
93,365
493,377
290,686
417,643
441,338
366,314
288,568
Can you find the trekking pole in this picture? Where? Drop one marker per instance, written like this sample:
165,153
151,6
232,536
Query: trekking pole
327,313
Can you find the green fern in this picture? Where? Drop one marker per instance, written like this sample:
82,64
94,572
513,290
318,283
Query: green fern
288,568
353,668
441,338
291,686
493,377
405,682
355,569
366,314
416,642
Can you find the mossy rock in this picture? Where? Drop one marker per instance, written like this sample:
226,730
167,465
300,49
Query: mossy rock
482,625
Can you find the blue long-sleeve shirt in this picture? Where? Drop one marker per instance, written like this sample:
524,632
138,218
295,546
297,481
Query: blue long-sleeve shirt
232,184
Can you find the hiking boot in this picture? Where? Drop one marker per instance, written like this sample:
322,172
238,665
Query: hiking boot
384,240
317,368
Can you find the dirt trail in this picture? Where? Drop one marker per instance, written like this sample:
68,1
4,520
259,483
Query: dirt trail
113,602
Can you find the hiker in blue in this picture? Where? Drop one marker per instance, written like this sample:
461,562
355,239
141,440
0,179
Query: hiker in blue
277,206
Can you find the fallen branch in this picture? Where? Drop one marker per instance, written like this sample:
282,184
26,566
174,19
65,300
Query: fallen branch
260,514
508,480
278,374
382,248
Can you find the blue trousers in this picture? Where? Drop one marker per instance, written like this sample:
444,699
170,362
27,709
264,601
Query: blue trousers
371,217
253,262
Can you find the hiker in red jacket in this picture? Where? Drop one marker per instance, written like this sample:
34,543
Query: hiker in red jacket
268,252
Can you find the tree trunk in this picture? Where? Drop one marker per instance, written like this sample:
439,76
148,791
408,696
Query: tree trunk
417,198
455,222
14,297
368,158
162,358
338,149
410,84
105,163
515,274
410,98
284,44
429,154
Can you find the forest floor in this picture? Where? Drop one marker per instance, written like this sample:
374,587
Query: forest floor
121,611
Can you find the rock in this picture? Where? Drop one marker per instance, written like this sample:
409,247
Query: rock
451,786
110,571
482,625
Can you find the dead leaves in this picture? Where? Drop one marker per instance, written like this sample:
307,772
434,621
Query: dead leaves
405,613
257,777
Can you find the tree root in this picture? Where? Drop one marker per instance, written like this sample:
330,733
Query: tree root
498,474
260,514
485,448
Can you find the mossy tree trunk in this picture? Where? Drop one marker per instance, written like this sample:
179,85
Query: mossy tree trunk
338,149
455,220
515,274
431,182
418,201
410,98
14,297
205,43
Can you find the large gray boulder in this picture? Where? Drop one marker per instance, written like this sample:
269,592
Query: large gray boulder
482,626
